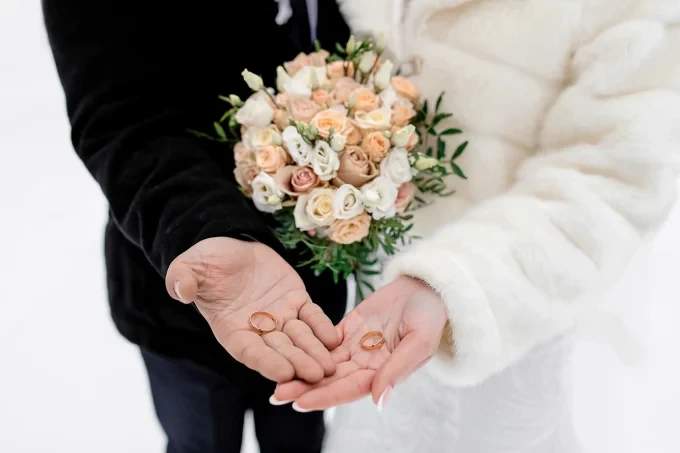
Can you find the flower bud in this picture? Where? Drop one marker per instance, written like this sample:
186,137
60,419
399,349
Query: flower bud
273,200
254,81
403,136
380,45
338,142
383,76
351,45
277,139
387,134
425,163
235,100
366,63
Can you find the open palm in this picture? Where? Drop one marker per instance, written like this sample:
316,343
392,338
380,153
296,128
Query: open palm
411,317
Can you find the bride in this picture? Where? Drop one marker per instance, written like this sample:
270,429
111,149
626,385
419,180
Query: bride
572,111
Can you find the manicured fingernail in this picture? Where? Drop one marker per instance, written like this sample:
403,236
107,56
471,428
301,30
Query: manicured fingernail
300,409
383,398
274,402
177,293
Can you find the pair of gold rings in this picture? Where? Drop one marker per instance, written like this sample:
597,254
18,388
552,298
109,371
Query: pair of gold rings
365,343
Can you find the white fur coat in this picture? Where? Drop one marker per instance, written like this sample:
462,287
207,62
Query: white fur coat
572,110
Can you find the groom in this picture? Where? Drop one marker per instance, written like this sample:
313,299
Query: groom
136,75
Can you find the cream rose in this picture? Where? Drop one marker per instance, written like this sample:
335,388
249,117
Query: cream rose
281,119
401,137
321,97
405,196
266,196
378,119
402,113
379,197
396,167
271,157
319,207
351,230
256,137
324,161
255,113
294,180
364,99
298,148
355,167
376,145
302,220
303,109
347,202
405,88
343,88
329,119
353,135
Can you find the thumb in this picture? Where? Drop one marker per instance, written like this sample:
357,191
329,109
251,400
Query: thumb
181,281
411,353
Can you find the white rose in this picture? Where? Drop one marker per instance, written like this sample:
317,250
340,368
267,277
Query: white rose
314,77
282,78
396,167
379,197
254,137
297,89
403,136
255,113
319,208
347,202
325,162
376,119
297,147
383,76
254,81
266,196
302,221
338,142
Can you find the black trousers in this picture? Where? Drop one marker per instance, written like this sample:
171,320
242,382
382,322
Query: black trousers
203,412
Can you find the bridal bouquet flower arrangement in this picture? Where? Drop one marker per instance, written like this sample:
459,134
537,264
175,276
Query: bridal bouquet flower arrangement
338,154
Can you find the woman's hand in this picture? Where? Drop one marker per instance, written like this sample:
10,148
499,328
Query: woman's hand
411,317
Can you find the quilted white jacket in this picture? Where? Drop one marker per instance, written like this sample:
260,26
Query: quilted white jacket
572,111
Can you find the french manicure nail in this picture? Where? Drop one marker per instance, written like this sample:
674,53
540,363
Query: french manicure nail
274,402
383,398
176,288
300,409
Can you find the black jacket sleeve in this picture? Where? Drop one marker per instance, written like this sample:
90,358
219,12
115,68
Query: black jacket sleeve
136,75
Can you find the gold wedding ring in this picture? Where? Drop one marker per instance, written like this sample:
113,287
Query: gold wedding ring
260,330
372,346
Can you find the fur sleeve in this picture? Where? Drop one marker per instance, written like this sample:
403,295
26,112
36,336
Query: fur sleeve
519,268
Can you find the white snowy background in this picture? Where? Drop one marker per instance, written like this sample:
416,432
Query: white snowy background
69,383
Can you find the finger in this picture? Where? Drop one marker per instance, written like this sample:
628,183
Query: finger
291,391
305,366
345,390
302,336
312,315
406,358
250,349
181,281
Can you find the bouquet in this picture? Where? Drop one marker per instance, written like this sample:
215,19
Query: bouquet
338,154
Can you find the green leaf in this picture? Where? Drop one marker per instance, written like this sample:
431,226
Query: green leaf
438,118
317,45
451,132
370,272
340,49
429,151
432,132
439,101
441,148
425,107
459,151
220,130
225,98
458,171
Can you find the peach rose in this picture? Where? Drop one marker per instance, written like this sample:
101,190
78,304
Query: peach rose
241,153
298,63
321,97
303,109
351,230
281,119
318,59
271,157
353,135
412,142
405,88
343,88
294,180
336,70
327,119
282,99
405,195
364,99
376,145
245,173
402,113
355,167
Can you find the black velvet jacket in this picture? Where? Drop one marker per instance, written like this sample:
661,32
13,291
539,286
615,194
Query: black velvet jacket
137,74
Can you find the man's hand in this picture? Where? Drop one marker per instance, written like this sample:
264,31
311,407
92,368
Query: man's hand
230,279
411,317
